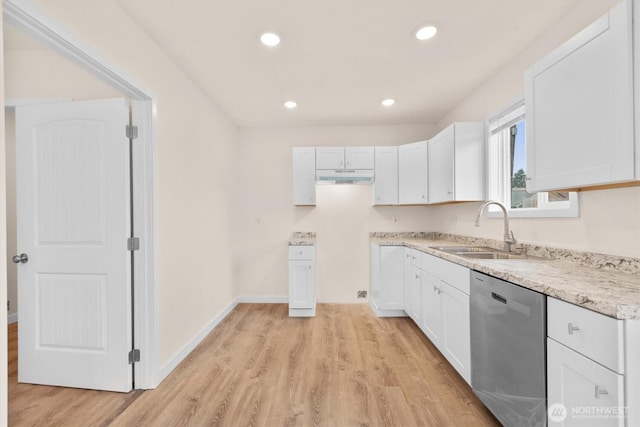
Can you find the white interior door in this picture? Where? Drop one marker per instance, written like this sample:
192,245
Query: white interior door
73,212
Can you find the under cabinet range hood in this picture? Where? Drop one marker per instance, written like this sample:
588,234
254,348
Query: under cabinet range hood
344,176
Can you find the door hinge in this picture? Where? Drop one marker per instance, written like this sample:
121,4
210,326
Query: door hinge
134,356
133,244
132,132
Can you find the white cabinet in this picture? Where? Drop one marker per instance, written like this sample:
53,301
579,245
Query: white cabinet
445,311
413,178
304,176
456,164
585,365
387,280
302,282
330,158
385,185
408,271
581,384
344,158
415,306
580,108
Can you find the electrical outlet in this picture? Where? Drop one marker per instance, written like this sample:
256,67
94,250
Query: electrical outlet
362,294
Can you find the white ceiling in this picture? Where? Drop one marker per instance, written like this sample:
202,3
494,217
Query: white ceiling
339,58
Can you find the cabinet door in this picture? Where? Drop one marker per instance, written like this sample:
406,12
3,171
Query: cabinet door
441,166
412,173
385,185
408,280
591,394
330,158
302,287
416,296
391,278
455,341
431,315
304,176
579,108
359,157
375,279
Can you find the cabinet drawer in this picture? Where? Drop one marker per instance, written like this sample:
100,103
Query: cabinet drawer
301,252
595,335
449,272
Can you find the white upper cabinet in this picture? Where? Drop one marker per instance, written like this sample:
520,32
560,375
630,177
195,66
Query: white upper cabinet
304,176
456,164
330,158
359,157
580,108
412,174
344,158
385,186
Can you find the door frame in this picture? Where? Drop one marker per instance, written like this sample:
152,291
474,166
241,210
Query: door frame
34,22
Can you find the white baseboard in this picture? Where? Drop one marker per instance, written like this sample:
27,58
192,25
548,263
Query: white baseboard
12,318
188,348
263,300
191,345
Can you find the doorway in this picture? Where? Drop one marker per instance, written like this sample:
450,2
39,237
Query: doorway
29,19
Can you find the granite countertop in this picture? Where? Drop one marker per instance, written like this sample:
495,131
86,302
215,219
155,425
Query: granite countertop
302,238
612,287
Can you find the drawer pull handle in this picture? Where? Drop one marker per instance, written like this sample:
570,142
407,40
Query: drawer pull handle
600,392
572,328
417,276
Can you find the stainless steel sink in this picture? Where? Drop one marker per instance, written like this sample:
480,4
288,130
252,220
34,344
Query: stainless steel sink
479,252
464,249
491,255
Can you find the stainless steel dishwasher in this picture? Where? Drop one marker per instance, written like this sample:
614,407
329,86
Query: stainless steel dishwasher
508,367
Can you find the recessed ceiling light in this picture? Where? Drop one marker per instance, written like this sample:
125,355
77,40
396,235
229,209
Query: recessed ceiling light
388,102
290,104
270,39
426,32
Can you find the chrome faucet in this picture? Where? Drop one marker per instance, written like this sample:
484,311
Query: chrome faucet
509,238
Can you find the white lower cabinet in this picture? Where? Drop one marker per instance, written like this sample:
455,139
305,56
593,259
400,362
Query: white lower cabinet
302,281
585,367
591,394
387,280
445,311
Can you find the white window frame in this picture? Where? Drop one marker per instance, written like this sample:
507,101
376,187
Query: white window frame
498,171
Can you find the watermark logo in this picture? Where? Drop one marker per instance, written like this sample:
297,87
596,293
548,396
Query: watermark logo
557,412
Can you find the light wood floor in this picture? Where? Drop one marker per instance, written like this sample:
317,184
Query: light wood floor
345,367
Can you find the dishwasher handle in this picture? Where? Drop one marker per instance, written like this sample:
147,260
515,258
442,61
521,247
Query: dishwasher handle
498,297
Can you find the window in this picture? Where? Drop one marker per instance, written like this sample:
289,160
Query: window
507,171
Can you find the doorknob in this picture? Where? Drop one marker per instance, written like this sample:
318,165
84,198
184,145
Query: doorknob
22,258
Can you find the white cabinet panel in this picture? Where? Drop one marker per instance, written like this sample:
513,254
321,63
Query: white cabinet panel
304,176
415,311
456,164
359,157
579,109
431,313
589,392
302,281
330,158
387,280
344,158
385,185
455,342
412,173
595,335
408,271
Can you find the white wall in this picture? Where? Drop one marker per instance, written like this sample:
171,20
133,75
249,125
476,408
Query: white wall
609,221
342,218
196,154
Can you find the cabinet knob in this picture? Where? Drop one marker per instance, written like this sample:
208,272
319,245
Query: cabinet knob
309,267
572,328
417,276
600,391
